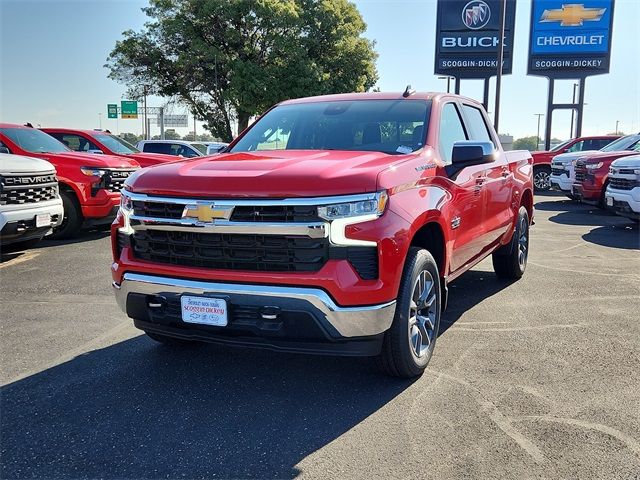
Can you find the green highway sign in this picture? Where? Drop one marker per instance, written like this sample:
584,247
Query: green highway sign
129,109
112,110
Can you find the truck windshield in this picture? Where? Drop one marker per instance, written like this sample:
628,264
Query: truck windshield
33,140
624,143
560,146
116,144
388,126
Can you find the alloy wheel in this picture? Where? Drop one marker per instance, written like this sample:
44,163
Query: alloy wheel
542,180
523,242
422,314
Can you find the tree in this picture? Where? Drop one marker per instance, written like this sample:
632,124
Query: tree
526,143
232,58
132,138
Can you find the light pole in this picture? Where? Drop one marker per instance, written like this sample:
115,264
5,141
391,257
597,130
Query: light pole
617,122
100,120
573,110
538,134
448,79
503,16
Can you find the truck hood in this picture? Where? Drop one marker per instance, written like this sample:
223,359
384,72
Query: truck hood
569,157
90,159
608,156
282,173
628,162
18,164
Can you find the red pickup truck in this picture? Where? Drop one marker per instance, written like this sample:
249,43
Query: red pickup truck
542,159
592,173
98,141
89,184
333,225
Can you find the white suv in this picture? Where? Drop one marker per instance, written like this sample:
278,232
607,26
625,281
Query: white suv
178,148
623,187
30,205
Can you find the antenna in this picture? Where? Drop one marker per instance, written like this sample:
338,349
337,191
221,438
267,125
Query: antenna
408,91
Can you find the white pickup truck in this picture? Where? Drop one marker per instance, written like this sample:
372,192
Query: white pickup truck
30,205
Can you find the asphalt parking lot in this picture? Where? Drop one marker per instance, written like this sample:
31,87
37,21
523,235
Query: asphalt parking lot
536,379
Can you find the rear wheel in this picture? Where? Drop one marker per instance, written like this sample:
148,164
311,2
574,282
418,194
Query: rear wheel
510,261
72,219
542,178
409,343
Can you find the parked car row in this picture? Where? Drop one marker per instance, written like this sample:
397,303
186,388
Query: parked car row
55,181
587,176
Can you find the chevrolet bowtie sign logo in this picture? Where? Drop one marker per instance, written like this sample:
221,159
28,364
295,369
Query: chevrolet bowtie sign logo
207,212
573,15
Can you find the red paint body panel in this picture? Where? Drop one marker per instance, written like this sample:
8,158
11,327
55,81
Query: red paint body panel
144,159
483,200
68,165
545,157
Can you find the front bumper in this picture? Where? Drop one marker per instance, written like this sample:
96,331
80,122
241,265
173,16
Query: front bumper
18,222
561,182
269,316
624,202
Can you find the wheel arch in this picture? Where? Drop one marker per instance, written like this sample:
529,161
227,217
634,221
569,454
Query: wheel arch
430,236
527,202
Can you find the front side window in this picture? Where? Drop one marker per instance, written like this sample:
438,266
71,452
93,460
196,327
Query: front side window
477,125
33,140
75,142
388,126
200,147
451,131
577,147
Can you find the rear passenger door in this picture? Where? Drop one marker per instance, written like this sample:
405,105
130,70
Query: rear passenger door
498,188
466,207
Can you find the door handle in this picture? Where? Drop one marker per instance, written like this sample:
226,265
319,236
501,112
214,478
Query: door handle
480,180
505,171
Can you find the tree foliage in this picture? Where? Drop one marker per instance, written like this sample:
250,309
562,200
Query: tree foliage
526,143
236,58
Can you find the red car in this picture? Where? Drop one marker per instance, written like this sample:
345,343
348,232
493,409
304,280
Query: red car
333,225
89,184
592,172
542,159
98,141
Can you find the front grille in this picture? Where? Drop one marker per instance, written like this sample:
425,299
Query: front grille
157,209
623,183
365,261
267,253
581,174
25,189
558,170
276,213
112,181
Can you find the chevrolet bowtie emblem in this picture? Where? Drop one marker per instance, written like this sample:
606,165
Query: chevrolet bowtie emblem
572,15
207,212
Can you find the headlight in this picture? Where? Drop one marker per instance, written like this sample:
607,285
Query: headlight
374,205
126,204
93,171
593,166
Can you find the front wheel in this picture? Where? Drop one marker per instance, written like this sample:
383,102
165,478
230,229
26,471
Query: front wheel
408,345
542,178
510,261
71,220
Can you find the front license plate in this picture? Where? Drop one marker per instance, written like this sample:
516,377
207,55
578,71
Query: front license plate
204,310
43,220
610,201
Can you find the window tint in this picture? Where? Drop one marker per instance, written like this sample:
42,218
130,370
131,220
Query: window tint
183,151
476,124
75,142
599,143
576,147
157,148
451,131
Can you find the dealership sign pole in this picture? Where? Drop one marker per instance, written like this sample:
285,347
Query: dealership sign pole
468,40
569,41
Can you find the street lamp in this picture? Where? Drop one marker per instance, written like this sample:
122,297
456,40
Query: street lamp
538,134
617,123
100,120
448,79
573,110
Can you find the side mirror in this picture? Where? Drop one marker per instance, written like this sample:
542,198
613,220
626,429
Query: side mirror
4,149
468,153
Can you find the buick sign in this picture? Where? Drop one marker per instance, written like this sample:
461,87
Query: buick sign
476,14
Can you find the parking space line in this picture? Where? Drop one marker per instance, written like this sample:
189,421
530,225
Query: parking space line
22,258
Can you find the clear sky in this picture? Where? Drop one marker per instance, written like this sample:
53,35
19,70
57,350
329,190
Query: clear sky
52,55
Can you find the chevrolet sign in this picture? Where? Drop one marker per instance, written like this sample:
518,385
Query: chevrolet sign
207,212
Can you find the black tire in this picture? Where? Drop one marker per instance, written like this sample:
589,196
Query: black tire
165,340
541,178
602,203
510,261
403,353
72,219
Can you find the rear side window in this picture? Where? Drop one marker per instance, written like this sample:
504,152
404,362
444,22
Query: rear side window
477,125
451,131
75,142
598,143
157,148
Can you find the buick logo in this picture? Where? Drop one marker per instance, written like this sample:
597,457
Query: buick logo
476,14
